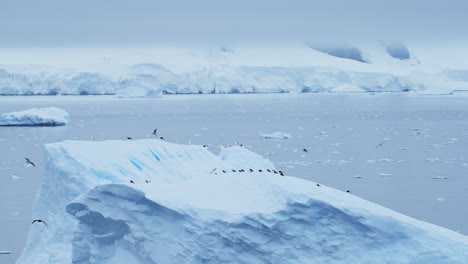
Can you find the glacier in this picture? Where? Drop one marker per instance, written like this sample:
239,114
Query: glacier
292,68
47,116
152,201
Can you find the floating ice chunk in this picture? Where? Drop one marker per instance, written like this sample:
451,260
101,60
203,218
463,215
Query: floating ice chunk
276,135
49,116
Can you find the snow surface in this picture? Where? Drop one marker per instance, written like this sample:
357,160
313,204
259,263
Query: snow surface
48,116
291,68
182,208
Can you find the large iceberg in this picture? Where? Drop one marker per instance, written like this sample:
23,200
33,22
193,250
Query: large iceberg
151,201
48,116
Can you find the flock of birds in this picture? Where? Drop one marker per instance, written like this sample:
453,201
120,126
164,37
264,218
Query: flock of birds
155,133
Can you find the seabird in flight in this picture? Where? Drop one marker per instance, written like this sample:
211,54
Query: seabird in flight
39,221
30,162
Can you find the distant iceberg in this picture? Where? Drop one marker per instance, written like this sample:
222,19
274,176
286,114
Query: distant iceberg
151,201
276,135
49,116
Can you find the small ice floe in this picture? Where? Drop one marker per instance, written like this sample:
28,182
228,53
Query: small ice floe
15,178
358,176
403,148
5,252
385,174
49,116
439,178
276,135
14,213
440,199
433,159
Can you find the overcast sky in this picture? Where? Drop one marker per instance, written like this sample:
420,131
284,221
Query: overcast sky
121,22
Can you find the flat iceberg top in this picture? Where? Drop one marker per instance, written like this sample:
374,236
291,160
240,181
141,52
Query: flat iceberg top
276,135
49,116
151,201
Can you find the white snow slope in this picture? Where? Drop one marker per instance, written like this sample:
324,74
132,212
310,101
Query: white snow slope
49,116
182,208
291,67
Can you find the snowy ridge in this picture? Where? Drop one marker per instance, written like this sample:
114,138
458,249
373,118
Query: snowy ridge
291,68
182,208
49,116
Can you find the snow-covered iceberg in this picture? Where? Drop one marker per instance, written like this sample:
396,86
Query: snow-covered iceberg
276,135
48,116
150,201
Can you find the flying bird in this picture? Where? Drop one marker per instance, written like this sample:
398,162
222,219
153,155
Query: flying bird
39,221
381,143
30,162
155,132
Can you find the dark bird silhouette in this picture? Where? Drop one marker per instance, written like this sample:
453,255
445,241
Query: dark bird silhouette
268,170
39,221
224,171
234,170
241,170
161,138
275,172
305,150
318,185
281,173
146,181
129,138
348,191
205,146
381,143
155,132
132,182
260,171
30,162
250,170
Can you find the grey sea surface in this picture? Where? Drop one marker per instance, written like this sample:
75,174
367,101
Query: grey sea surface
403,151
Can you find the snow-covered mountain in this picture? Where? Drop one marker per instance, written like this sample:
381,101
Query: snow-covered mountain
298,68
150,201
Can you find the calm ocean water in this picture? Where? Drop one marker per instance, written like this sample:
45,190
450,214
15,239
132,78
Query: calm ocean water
420,169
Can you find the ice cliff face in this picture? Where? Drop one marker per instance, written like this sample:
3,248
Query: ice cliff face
293,68
182,208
